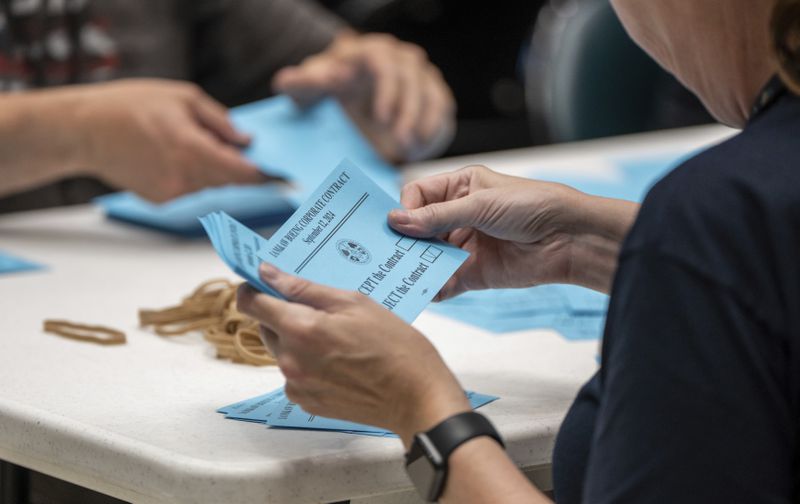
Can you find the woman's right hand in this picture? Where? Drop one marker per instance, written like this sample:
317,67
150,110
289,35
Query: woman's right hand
519,232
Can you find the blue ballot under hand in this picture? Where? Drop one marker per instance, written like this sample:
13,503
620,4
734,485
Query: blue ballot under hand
340,238
256,206
296,144
275,410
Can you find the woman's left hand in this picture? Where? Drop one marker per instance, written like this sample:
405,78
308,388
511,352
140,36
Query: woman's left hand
344,356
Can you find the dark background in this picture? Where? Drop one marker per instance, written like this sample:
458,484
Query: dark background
477,46
482,49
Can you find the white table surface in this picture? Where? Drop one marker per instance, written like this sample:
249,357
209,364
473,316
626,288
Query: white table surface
138,421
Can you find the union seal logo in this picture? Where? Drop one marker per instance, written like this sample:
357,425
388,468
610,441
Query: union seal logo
353,251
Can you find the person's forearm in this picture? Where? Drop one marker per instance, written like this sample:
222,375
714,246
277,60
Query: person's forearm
40,138
602,226
481,472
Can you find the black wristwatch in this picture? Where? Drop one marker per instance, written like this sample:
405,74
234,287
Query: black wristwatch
426,461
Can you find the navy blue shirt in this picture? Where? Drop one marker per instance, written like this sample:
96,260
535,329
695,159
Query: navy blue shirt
697,397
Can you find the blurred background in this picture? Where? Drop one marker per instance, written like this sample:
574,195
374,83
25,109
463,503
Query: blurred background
504,61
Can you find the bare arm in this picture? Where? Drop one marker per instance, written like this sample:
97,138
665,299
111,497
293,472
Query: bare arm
479,471
39,142
601,226
519,232
159,138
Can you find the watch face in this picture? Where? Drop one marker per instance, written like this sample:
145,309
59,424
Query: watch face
425,468
423,475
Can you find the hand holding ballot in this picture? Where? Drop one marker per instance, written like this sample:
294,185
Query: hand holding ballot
345,356
159,138
336,271
390,90
340,238
518,232
162,139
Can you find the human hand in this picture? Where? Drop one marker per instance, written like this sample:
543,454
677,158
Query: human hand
393,93
519,232
344,356
159,138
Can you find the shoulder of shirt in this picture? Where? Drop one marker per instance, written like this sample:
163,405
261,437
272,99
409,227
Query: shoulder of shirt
730,214
755,175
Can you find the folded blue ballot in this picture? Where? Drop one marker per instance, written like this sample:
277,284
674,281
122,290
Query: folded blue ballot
275,410
299,145
340,237
13,264
255,206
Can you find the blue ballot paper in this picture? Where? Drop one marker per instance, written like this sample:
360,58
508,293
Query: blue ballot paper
275,410
340,237
301,145
13,264
574,312
255,206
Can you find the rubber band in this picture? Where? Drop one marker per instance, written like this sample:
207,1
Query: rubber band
81,332
211,309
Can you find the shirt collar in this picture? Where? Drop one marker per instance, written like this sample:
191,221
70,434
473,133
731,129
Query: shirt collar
769,94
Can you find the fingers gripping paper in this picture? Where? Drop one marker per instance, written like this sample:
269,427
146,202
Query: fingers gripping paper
340,238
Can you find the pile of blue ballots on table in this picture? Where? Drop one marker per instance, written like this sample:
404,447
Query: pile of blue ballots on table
276,411
298,145
14,264
574,312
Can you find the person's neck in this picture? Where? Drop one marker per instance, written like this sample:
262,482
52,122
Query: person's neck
754,63
753,77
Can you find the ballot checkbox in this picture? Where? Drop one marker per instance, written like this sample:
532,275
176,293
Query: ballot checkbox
406,243
431,253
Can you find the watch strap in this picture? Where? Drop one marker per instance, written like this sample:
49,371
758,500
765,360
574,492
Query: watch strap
458,429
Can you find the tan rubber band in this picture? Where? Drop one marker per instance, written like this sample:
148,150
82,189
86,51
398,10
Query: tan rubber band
82,332
211,309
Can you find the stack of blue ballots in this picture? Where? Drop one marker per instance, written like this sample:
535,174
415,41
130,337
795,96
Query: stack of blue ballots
340,237
276,411
574,312
14,264
299,145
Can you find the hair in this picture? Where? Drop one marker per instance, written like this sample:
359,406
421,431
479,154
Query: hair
785,31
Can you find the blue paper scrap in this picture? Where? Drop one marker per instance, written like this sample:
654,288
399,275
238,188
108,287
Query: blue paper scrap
14,264
275,410
299,145
340,237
